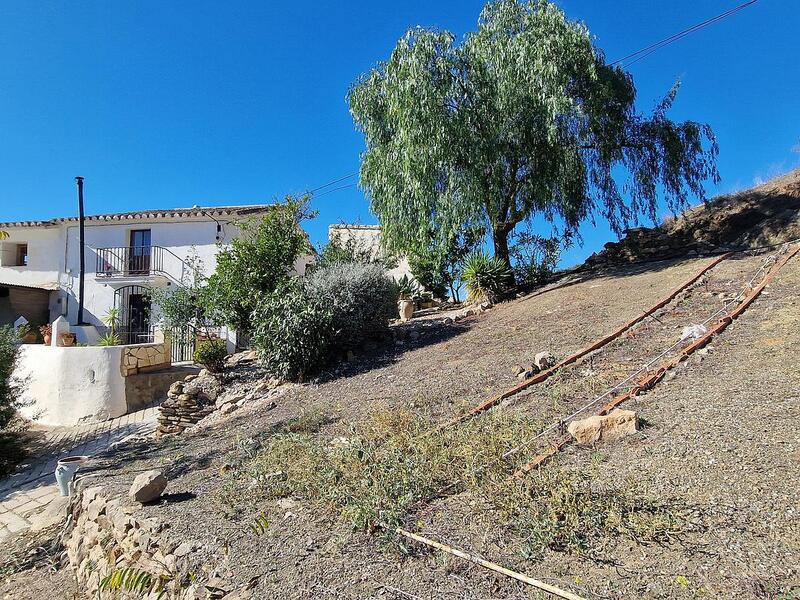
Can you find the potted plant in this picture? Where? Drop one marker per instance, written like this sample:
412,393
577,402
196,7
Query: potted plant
27,334
67,339
405,305
47,333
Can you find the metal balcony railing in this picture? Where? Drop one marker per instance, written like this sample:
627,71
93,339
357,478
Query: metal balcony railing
139,261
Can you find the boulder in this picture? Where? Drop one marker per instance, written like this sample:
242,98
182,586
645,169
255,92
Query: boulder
613,426
148,486
544,360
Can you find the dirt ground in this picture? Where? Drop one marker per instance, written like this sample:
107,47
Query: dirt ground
721,436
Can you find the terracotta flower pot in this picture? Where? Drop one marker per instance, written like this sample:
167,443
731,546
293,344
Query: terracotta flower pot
67,339
406,309
48,339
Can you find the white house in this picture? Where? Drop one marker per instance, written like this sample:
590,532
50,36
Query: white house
125,253
368,237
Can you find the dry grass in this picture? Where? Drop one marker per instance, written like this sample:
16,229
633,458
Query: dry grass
392,464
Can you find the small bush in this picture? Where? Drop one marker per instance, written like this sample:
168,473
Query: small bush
535,258
211,354
486,277
12,448
292,332
562,510
361,297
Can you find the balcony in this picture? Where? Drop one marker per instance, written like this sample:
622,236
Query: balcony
139,262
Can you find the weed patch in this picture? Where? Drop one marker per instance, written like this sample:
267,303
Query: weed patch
393,462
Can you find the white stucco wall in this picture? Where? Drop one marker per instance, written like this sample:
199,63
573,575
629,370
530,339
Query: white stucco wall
369,237
45,254
67,385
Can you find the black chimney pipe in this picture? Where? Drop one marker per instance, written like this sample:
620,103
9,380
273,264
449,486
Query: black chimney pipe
81,242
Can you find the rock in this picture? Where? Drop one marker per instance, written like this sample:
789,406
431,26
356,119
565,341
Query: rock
613,426
693,332
286,503
228,408
544,360
184,549
176,388
189,378
148,486
519,370
53,514
448,321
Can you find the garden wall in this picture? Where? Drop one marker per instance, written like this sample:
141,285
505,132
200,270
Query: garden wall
64,386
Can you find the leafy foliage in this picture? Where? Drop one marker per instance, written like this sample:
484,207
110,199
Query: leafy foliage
486,277
185,304
350,249
560,510
292,331
211,354
11,444
259,525
438,269
132,579
257,263
534,258
524,118
361,297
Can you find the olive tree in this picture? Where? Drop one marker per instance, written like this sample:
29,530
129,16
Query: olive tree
523,118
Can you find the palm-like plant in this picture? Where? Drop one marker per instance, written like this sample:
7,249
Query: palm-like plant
485,277
3,235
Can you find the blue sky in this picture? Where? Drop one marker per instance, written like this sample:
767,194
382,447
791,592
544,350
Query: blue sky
165,104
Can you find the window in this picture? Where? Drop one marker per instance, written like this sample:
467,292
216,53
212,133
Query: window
22,255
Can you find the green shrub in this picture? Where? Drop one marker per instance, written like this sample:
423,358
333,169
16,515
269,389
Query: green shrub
361,298
535,258
11,428
486,278
256,264
211,354
292,332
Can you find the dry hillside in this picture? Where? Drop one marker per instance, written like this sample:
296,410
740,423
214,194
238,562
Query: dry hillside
700,502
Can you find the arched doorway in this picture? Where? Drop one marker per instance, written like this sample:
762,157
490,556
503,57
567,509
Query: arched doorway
133,305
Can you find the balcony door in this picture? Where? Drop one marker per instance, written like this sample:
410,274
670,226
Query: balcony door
139,252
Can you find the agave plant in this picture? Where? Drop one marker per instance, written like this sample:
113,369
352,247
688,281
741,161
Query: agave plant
485,277
109,339
407,287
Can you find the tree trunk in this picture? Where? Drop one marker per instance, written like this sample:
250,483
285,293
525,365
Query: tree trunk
500,235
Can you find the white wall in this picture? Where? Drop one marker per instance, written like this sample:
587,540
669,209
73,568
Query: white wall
369,238
67,385
45,252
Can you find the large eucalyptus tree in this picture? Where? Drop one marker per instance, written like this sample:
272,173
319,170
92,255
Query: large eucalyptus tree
522,118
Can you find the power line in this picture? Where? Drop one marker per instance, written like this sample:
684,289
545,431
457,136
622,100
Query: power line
333,182
336,189
647,51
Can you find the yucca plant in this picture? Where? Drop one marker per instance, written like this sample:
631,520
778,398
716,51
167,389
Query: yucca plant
485,277
407,287
109,339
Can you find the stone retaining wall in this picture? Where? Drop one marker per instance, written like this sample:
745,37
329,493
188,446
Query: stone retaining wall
106,535
141,358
